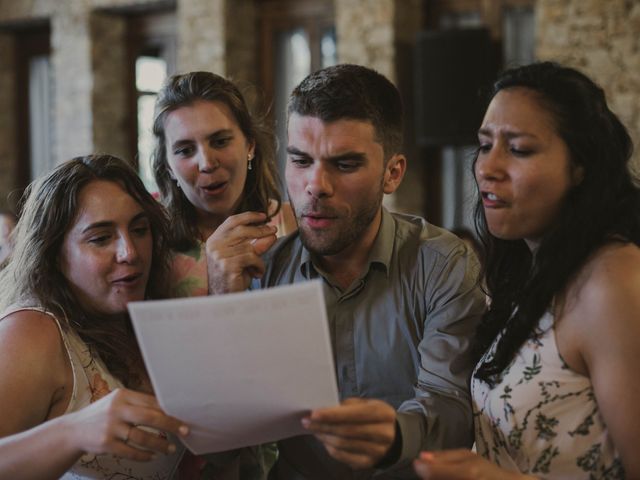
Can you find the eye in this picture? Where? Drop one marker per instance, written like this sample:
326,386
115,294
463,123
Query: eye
221,142
484,148
99,240
141,231
300,161
347,166
521,152
183,151
141,228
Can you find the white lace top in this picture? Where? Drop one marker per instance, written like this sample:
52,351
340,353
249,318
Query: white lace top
542,417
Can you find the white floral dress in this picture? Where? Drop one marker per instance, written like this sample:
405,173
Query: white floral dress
542,417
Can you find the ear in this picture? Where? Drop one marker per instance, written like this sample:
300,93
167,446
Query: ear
394,173
577,175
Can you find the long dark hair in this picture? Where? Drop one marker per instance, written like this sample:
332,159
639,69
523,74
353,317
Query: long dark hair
261,187
603,208
33,276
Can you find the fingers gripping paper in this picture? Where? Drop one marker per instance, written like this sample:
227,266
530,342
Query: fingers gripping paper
241,369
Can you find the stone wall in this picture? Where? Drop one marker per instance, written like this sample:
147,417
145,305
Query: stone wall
201,34
88,54
603,40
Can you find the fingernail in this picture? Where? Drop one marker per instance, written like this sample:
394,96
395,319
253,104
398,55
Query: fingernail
426,456
183,430
171,448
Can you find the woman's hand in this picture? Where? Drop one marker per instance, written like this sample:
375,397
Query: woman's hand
460,465
234,250
114,424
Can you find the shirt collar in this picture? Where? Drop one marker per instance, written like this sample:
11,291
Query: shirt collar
381,250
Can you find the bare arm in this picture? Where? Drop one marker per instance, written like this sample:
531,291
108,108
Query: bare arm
609,341
34,374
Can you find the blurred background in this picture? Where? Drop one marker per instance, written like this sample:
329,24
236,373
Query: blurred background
80,76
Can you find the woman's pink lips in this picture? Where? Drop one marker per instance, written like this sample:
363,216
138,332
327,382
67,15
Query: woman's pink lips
214,189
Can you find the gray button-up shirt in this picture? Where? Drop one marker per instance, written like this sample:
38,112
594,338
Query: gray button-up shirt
400,333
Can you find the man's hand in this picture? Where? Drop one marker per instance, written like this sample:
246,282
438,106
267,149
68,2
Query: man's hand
358,432
234,249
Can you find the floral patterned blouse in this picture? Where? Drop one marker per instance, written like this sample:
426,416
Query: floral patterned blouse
91,382
542,417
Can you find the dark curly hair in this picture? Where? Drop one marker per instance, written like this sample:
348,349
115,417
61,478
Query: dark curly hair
602,208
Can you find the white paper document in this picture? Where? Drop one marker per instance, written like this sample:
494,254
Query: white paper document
240,369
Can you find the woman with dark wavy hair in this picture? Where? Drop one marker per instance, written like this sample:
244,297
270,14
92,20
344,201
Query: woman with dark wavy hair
74,393
215,166
554,392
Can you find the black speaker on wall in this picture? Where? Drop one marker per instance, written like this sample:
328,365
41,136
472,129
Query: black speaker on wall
453,68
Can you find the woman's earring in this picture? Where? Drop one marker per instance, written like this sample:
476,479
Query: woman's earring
250,158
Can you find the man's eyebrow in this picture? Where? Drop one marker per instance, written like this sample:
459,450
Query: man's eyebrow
352,155
296,151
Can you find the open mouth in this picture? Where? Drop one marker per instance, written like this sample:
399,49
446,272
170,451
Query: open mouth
490,196
128,279
318,221
214,188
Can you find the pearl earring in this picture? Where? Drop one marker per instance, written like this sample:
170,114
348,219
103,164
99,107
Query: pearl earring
250,158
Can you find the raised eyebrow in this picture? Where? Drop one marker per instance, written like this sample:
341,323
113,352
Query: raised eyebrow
351,156
299,153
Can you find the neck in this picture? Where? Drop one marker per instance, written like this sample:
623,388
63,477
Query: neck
206,226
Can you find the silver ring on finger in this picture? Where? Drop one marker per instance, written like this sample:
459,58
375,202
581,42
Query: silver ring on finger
126,437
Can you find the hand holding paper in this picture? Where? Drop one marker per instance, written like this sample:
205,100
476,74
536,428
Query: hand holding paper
240,369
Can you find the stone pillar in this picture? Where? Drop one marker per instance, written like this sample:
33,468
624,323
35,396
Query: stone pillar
110,85
242,41
384,39
601,39
201,36
71,58
367,39
8,157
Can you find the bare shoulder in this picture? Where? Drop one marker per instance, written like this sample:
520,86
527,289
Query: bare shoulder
34,369
604,300
32,331
611,278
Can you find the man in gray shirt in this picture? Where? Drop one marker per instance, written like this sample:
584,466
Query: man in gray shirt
402,295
